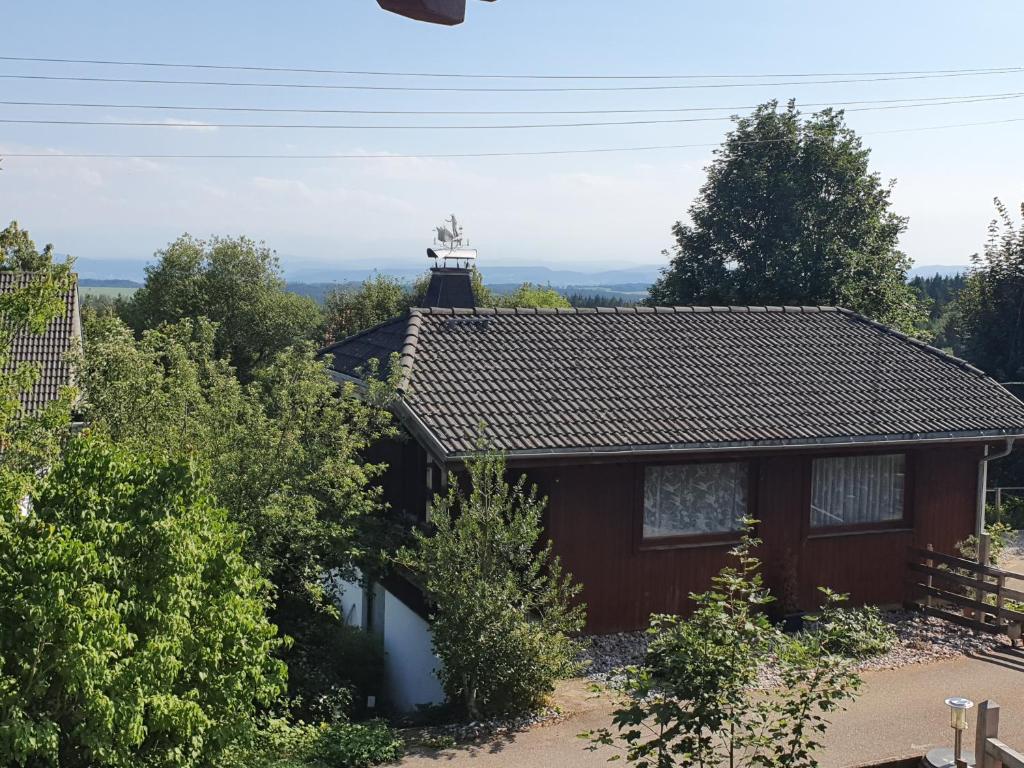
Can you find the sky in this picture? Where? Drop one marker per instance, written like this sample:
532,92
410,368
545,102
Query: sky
594,210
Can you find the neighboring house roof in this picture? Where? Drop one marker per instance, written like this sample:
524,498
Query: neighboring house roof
675,378
49,349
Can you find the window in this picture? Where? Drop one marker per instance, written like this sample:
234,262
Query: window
857,490
694,499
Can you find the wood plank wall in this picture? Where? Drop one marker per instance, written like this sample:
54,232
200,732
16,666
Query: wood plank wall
592,517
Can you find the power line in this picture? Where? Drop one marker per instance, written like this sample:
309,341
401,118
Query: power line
965,98
453,89
453,155
170,124
482,76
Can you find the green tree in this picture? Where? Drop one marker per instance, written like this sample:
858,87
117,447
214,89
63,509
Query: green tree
503,610
135,631
990,309
19,252
377,300
236,283
530,295
791,214
285,453
696,702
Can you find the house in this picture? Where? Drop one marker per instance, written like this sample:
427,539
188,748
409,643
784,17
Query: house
655,431
50,349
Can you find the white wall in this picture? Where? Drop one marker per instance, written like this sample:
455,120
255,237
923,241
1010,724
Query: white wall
411,661
350,598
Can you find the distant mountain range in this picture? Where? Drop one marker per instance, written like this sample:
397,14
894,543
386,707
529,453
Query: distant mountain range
316,281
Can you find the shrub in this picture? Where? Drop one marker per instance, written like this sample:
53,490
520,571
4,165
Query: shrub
695,702
856,633
332,667
503,612
339,745
135,631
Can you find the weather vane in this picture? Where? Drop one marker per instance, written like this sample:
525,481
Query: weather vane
449,244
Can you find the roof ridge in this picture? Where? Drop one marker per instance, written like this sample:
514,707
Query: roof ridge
941,354
407,355
634,310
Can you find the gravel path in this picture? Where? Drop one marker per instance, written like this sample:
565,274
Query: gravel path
921,639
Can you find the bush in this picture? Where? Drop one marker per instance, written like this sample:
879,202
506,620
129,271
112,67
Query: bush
856,633
340,745
503,612
332,667
134,630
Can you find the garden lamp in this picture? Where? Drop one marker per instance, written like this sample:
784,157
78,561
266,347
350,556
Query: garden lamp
958,706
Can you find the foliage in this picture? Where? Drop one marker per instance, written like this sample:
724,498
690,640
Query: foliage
530,295
599,300
503,612
285,456
989,308
1011,512
695,702
332,667
235,283
857,633
339,745
999,537
378,299
140,629
19,252
791,214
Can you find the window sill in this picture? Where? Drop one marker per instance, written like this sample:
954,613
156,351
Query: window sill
825,534
653,545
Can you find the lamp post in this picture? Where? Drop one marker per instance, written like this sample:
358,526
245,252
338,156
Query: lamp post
958,707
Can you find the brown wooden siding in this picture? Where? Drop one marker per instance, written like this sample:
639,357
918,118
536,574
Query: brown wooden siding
592,520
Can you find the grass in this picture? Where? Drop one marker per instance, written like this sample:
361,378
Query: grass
106,290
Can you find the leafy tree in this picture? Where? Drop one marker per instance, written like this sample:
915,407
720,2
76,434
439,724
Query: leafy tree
530,295
377,300
503,612
696,701
791,214
285,457
18,252
234,282
990,312
135,629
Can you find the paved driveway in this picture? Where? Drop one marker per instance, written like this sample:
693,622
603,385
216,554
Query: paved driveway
900,713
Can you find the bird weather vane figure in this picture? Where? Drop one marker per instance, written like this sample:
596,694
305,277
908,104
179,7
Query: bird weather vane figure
455,247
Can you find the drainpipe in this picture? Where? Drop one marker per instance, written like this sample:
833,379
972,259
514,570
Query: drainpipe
979,522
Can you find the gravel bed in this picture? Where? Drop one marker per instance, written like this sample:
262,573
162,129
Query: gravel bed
920,639
440,736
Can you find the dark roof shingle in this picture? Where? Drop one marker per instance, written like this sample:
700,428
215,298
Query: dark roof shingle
676,378
49,350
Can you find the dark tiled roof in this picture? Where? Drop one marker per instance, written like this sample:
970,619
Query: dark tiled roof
49,349
676,378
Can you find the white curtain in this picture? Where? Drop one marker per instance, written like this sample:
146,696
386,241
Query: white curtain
688,499
851,490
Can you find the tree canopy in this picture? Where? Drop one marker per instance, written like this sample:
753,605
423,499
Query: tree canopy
791,213
990,308
18,252
234,282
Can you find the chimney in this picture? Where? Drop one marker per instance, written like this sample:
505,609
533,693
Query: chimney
450,287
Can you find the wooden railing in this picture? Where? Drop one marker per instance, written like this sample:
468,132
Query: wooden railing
989,751
967,592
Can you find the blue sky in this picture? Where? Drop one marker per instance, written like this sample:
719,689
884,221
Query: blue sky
580,210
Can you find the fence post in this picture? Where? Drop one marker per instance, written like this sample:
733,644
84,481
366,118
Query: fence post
988,728
931,564
983,551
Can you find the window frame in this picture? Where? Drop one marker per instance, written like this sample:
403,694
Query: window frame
903,523
691,540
